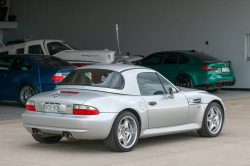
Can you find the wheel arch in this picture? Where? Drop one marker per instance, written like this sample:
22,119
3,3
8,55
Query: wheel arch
22,84
222,106
133,111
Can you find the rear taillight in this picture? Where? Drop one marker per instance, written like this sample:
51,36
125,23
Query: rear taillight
84,110
208,68
231,68
58,77
30,105
81,64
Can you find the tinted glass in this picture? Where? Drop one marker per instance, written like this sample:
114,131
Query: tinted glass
20,51
183,59
4,53
56,47
171,58
5,63
149,84
49,62
166,84
153,60
204,57
73,47
95,78
35,49
20,65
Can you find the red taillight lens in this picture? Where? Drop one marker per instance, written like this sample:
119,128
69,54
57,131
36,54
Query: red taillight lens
58,77
84,110
231,68
81,64
208,68
30,105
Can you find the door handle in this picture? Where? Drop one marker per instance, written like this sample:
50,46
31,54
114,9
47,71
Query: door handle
152,103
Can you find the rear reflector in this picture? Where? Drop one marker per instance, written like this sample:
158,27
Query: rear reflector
58,77
231,68
81,64
30,105
84,110
69,92
208,68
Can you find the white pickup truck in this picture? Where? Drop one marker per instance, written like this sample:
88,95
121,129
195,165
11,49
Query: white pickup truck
67,52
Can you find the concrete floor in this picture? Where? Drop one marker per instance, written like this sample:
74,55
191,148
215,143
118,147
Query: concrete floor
232,147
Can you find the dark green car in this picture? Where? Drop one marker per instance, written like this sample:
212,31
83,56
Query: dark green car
191,69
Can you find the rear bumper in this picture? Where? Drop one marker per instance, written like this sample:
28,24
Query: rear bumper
80,126
217,84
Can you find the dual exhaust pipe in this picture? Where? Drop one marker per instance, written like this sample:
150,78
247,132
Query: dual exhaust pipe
68,135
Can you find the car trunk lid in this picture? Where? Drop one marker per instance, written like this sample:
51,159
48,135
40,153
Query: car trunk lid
62,101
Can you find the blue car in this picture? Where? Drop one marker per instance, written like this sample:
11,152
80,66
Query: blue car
22,76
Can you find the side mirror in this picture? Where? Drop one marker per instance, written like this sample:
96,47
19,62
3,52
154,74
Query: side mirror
172,92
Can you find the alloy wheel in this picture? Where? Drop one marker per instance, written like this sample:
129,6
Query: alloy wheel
214,120
26,93
127,132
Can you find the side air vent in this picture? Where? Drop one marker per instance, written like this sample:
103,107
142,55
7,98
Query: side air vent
195,101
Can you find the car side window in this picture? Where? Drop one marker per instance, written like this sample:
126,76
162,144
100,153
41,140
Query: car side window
183,59
20,64
5,63
171,58
153,59
36,49
4,53
149,84
166,84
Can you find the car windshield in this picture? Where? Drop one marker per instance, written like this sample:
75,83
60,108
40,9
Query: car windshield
50,62
95,77
204,57
56,47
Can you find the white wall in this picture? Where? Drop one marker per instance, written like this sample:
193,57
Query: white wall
146,26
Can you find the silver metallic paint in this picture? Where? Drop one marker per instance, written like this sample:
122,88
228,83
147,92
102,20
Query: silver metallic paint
179,117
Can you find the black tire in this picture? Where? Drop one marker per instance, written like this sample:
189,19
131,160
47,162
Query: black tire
47,140
33,89
185,81
214,90
112,141
204,131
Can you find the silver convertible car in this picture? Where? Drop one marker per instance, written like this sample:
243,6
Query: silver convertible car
120,104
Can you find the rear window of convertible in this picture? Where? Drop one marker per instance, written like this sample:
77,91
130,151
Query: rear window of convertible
96,78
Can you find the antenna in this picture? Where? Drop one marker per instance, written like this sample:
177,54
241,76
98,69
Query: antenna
117,35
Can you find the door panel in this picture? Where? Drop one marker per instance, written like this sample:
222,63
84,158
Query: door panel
167,111
3,75
170,67
163,111
5,63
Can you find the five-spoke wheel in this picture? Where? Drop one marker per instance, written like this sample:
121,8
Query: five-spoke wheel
212,121
124,133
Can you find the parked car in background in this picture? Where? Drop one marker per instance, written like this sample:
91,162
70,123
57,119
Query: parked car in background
65,51
120,104
23,76
192,69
